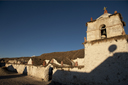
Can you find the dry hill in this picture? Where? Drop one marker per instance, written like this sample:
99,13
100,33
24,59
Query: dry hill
59,56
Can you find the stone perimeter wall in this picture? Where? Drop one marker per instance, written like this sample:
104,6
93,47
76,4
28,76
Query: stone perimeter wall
35,71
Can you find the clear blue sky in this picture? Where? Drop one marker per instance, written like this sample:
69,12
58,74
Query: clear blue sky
33,28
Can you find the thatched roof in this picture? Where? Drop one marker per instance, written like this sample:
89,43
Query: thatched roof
108,39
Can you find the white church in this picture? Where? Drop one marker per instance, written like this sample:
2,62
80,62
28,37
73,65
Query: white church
105,54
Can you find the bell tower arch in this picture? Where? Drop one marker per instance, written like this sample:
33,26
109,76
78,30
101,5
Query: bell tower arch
103,31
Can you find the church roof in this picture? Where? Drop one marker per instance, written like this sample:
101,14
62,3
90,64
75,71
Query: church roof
104,15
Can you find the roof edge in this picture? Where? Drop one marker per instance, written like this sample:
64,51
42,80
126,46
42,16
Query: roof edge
124,24
108,39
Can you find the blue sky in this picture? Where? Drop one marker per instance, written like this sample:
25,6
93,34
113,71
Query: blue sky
33,28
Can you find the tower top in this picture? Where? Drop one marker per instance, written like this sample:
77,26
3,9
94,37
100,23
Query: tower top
106,26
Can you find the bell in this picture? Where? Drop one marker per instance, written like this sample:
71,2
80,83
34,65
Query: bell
104,32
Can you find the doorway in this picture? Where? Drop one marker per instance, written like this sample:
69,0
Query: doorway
50,73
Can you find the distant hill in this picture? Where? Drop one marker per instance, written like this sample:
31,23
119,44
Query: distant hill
59,56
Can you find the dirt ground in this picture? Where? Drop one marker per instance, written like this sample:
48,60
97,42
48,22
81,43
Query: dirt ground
11,78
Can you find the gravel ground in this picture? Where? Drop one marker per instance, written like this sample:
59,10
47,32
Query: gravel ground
11,78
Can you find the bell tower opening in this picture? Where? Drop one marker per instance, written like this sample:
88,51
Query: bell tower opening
103,31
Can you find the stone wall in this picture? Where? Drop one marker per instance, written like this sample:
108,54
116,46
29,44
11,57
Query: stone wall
35,71
79,60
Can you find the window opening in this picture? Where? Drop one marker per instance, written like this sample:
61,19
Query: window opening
103,32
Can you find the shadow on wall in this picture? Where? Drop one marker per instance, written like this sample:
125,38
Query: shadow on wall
25,71
114,71
11,68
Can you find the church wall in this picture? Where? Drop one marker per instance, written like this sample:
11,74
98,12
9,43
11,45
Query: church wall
107,59
91,36
97,53
115,26
106,63
114,31
90,31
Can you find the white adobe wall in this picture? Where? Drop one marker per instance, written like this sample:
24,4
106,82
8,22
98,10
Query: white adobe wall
79,60
101,67
97,53
47,61
12,61
56,62
35,71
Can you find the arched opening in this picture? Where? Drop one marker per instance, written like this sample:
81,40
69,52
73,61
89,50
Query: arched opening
103,31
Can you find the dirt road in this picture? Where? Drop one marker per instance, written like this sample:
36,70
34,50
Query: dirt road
11,78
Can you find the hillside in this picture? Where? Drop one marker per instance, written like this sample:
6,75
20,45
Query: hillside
62,56
59,56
